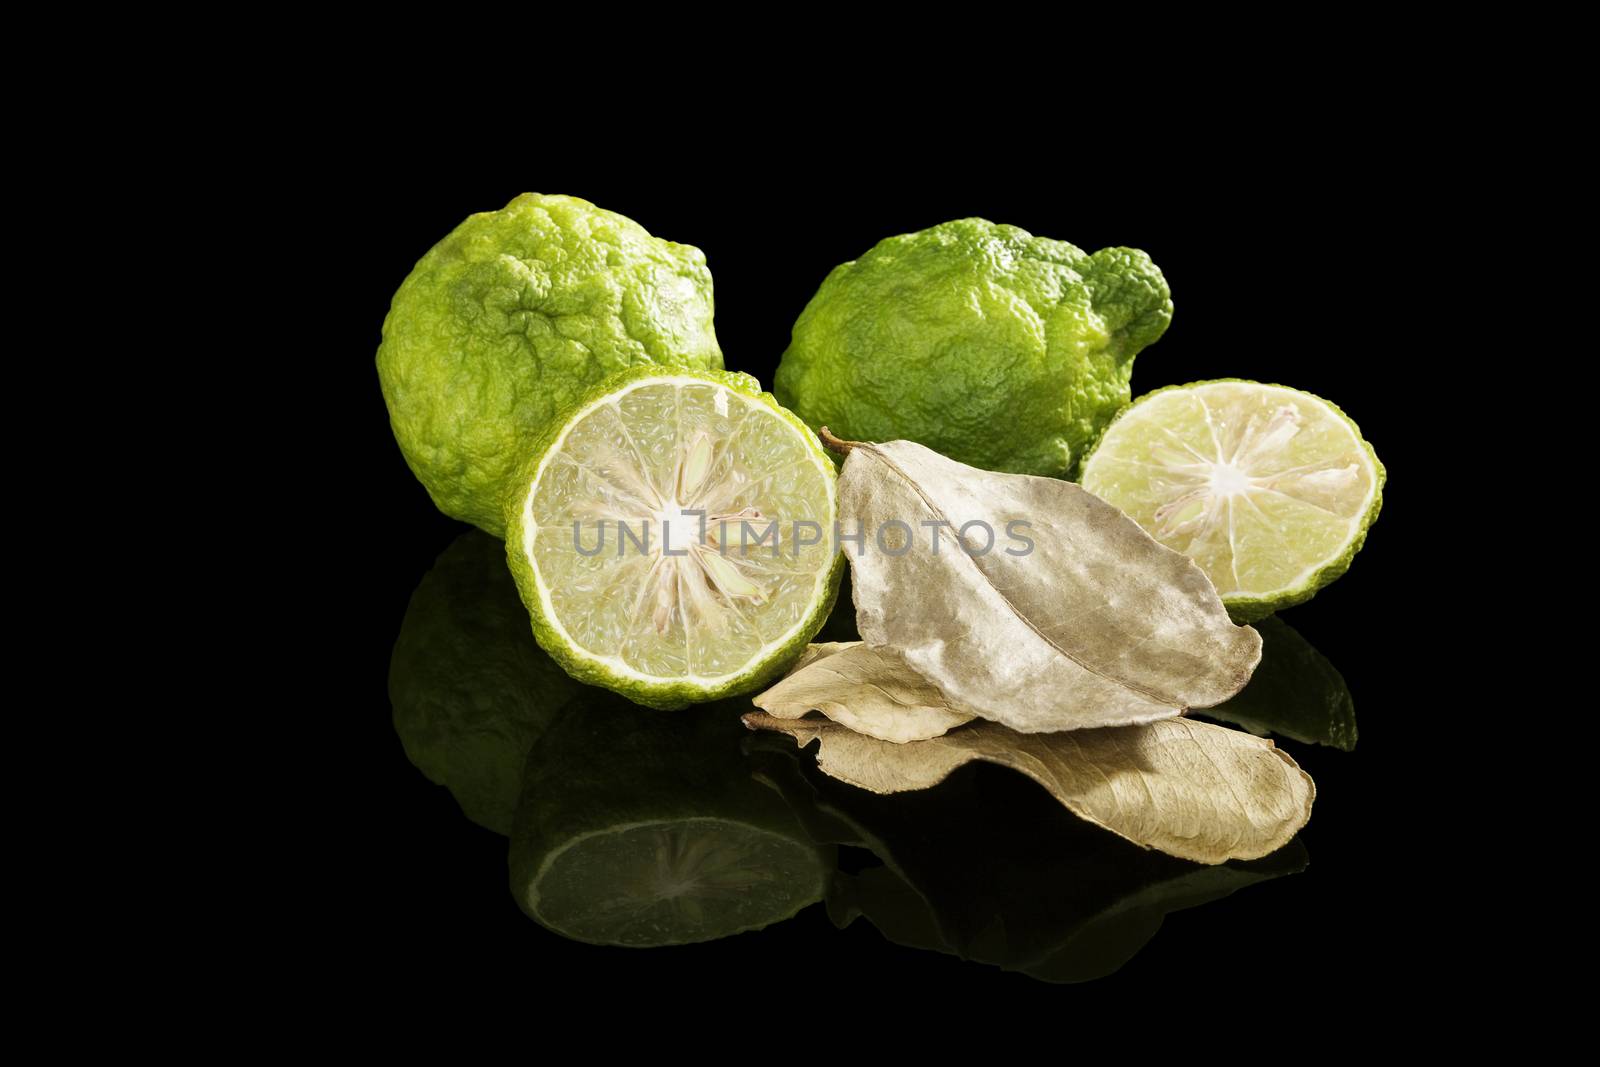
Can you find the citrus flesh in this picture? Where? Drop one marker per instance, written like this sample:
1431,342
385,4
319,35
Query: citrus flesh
674,541
674,882
1269,489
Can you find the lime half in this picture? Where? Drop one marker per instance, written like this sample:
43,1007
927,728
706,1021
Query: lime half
1269,489
672,536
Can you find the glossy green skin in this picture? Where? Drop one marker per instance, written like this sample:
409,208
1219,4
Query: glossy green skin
996,348
471,691
510,318
1247,609
668,696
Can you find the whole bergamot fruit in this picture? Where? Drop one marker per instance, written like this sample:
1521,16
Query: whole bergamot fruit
514,315
994,347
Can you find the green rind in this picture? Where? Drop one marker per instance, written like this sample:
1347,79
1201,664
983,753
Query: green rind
1244,609
669,696
989,345
501,323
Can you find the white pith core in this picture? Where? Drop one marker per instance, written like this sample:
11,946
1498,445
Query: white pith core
1261,485
684,581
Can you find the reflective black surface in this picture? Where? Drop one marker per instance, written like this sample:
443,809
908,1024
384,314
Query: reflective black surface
649,829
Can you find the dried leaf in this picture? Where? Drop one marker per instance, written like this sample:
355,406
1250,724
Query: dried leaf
1190,789
870,690
1097,625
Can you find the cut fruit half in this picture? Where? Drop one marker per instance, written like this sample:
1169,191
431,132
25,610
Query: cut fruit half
673,536
1269,489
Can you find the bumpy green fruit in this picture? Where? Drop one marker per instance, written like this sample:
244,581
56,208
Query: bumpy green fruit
994,347
513,316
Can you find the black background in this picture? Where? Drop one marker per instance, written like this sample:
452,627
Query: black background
1279,273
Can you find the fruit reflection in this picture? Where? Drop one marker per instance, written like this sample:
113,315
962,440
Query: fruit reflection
644,828
470,688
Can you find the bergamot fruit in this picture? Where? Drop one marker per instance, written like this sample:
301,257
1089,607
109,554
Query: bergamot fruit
673,536
510,318
471,690
640,831
996,348
1269,489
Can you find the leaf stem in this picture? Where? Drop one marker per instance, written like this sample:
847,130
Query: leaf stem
835,444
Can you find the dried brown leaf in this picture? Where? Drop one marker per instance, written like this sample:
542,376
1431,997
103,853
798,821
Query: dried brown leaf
1200,792
1097,625
869,690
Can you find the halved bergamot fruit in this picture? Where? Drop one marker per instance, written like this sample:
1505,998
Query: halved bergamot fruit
1269,489
673,536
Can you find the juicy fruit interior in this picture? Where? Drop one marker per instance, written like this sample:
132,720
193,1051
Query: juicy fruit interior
676,597
1260,485
674,882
